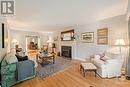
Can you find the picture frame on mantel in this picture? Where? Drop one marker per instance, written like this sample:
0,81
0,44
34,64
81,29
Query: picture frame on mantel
102,36
87,37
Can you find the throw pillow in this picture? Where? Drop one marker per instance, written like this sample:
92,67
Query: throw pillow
97,56
102,55
105,58
11,58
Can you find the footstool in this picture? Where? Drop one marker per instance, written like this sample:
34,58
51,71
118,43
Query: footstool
85,67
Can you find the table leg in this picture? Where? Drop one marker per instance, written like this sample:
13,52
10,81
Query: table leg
53,59
95,73
80,67
82,70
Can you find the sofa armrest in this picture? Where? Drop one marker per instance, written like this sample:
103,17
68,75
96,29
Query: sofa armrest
25,70
8,74
114,67
99,63
9,68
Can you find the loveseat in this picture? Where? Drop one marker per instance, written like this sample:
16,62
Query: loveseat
109,66
14,71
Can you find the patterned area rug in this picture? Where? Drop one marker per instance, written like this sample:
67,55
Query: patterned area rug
51,69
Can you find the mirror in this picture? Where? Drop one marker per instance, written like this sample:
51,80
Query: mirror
67,35
32,43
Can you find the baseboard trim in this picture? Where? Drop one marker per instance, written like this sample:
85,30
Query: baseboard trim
80,59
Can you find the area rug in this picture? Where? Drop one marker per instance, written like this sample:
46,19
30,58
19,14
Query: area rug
51,69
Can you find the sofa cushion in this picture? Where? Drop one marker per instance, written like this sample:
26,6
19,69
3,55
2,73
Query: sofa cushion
116,56
11,58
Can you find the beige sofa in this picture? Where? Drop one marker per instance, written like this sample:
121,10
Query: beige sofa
109,68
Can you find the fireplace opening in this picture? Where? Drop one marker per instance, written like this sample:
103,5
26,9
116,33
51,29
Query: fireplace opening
66,52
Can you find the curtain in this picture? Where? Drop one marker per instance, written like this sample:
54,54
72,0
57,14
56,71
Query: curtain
128,65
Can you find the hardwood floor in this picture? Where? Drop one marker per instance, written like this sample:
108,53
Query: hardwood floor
73,78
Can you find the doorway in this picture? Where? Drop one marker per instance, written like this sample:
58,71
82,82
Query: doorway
32,43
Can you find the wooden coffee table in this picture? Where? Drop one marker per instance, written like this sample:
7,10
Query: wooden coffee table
85,67
46,59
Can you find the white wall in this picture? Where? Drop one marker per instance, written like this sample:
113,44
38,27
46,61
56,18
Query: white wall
20,36
129,6
117,29
128,9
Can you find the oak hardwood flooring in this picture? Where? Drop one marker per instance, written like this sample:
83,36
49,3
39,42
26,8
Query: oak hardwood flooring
73,78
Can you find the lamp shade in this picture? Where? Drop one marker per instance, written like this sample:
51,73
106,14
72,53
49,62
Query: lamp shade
50,40
120,42
14,41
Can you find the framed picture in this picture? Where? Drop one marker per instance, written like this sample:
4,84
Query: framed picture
102,32
103,40
88,37
102,35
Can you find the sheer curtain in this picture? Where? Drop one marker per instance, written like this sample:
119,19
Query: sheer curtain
128,65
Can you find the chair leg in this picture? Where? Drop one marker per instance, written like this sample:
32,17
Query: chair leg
84,73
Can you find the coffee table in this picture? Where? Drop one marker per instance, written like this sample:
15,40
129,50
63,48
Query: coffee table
47,59
85,67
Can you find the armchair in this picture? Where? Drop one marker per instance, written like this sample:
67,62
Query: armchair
109,68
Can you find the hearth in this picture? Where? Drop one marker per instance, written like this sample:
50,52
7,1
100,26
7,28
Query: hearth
66,52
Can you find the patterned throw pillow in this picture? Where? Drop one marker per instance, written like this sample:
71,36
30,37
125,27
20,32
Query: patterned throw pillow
102,55
97,56
11,58
105,58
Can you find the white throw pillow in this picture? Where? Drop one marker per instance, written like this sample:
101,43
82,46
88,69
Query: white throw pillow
97,57
11,58
105,58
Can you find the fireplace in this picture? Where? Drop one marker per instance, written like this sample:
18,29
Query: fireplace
66,52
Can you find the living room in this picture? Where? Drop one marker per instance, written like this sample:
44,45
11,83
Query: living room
60,41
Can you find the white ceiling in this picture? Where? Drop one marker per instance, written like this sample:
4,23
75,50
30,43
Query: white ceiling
51,15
